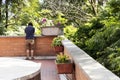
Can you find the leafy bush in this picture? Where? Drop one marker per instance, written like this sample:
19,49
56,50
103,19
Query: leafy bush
57,41
69,32
2,29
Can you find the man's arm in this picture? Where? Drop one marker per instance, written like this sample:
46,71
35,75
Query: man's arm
33,30
25,30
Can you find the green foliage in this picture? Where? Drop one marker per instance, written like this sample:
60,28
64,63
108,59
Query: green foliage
69,32
104,46
20,13
81,35
52,18
96,24
92,44
62,58
2,29
105,38
110,58
115,6
60,18
57,41
112,10
15,30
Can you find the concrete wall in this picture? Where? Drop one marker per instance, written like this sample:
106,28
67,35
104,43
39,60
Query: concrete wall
15,46
86,68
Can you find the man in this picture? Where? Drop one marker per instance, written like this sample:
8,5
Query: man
30,30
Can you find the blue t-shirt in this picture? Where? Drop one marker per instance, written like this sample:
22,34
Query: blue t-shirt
29,30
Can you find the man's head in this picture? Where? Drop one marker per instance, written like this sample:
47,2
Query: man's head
30,24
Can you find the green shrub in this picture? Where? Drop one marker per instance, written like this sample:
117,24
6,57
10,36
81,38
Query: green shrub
62,58
57,41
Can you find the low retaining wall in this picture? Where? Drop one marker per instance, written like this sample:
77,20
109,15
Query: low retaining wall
15,46
86,68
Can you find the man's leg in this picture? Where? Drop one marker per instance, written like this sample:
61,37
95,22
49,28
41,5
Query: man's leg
27,49
27,52
32,49
32,54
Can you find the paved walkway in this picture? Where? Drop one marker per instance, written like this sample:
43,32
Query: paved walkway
48,70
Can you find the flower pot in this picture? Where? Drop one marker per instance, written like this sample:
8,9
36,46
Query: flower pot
64,68
50,30
58,49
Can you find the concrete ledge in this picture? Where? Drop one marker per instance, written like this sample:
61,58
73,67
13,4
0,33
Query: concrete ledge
86,67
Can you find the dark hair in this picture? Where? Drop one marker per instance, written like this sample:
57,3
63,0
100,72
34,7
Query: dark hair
30,24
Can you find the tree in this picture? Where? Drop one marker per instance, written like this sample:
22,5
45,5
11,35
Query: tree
77,11
20,12
0,11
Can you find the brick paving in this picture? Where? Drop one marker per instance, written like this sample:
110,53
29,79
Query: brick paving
48,69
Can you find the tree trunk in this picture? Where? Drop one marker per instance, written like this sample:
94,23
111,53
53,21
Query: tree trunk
94,6
6,12
0,11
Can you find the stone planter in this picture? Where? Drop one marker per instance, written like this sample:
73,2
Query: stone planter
51,30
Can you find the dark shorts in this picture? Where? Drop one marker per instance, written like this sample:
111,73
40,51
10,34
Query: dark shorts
30,44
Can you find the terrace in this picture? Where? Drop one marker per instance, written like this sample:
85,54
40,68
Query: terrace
86,68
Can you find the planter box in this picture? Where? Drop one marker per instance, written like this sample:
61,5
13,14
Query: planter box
50,30
64,68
